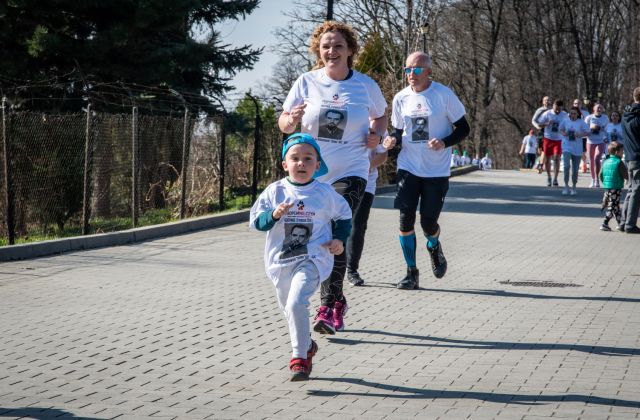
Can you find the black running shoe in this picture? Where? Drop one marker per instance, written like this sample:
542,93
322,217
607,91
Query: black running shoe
354,279
438,261
411,281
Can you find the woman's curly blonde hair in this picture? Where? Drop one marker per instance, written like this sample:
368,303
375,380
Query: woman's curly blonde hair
332,26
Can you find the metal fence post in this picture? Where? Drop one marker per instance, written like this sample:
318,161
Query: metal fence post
85,187
183,170
256,149
134,166
223,142
8,181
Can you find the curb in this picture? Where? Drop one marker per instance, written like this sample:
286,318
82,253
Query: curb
124,237
78,243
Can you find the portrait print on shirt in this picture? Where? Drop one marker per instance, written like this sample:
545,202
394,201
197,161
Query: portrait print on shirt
296,239
331,123
420,130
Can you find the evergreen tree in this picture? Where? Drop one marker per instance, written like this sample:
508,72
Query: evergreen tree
119,48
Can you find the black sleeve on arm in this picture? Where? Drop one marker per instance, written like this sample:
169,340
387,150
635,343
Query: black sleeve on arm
622,170
460,131
397,133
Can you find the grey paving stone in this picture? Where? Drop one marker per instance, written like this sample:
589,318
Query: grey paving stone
187,327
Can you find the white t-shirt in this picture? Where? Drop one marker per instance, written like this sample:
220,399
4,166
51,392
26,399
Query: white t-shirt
614,132
552,121
338,115
536,116
465,160
530,143
423,116
599,135
485,163
572,142
299,234
455,161
373,174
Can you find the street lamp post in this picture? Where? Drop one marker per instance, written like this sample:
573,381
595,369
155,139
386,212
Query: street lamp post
423,30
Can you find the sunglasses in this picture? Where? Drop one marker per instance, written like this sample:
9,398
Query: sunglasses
415,70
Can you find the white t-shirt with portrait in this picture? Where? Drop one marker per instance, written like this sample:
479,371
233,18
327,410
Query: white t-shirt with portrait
423,116
315,205
572,142
598,135
530,143
338,115
614,132
552,121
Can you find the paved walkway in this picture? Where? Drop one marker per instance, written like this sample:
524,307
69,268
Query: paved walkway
538,317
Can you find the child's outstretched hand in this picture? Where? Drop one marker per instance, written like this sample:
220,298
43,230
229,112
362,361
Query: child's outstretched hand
281,210
335,246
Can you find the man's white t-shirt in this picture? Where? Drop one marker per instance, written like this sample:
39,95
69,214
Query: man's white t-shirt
338,115
530,143
423,116
552,121
572,142
315,205
598,135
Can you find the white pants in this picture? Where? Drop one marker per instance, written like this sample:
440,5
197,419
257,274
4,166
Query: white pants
294,288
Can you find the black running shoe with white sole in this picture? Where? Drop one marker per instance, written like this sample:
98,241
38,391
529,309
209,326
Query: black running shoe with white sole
411,281
354,279
438,261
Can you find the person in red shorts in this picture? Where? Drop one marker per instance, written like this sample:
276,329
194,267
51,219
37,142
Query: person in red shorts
552,141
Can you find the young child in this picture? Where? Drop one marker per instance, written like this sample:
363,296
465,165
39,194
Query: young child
612,175
297,214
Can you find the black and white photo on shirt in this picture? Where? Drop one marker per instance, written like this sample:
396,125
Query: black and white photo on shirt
296,239
331,123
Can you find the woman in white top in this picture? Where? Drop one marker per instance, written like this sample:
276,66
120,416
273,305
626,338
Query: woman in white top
596,141
573,129
614,128
345,110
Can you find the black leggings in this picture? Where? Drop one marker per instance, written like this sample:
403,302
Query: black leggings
352,189
355,244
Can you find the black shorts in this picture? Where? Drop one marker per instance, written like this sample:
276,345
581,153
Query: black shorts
429,191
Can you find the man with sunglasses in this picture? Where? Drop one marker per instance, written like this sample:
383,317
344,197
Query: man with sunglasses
423,165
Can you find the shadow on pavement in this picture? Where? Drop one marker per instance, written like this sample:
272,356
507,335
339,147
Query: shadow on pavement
411,393
472,197
441,342
41,413
503,293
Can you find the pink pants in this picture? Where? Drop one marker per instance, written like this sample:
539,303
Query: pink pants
595,151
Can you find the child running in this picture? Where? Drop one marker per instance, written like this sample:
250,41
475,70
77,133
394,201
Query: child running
612,175
297,213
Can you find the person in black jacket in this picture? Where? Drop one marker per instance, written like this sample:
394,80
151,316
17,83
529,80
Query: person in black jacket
631,139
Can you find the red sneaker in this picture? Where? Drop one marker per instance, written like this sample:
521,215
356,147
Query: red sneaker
313,349
300,369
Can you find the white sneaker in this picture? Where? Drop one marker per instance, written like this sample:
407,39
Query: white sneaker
565,191
574,191
593,183
597,184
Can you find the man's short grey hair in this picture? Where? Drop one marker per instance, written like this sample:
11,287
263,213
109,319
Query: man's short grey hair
423,57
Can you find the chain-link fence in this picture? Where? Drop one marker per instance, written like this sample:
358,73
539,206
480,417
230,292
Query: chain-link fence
72,174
